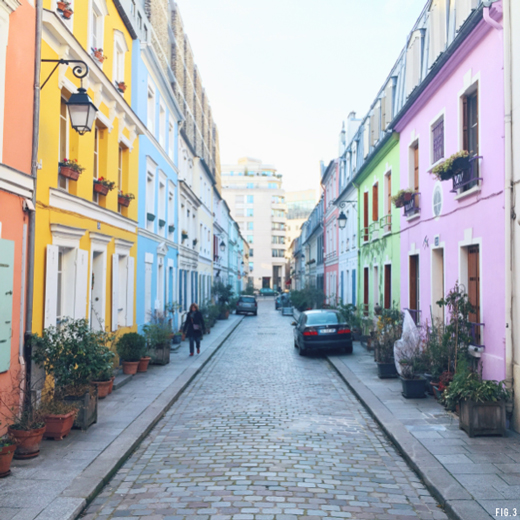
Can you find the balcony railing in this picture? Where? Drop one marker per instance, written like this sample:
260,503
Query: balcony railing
366,233
467,179
385,223
412,207
374,230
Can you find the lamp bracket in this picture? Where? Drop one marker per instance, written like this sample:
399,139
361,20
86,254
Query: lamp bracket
343,204
80,70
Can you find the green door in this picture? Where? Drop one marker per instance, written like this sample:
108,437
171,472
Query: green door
6,301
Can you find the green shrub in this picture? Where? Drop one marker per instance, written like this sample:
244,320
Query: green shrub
131,346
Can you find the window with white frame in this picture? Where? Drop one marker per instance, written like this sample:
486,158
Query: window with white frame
150,199
123,273
414,61
162,126
162,203
98,11
63,182
119,55
150,109
438,28
171,209
171,141
437,140
160,303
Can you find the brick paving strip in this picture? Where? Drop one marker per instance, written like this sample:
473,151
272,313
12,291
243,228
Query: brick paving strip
264,434
471,478
68,474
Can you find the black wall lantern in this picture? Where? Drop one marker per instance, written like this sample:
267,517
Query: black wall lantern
222,246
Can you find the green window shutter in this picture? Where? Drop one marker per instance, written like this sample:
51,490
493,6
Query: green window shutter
6,301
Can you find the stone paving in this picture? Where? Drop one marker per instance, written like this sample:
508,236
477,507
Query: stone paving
264,434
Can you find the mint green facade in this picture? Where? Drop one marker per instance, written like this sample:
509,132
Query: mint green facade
379,242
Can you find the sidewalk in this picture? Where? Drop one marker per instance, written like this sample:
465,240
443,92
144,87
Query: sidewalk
59,483
471,478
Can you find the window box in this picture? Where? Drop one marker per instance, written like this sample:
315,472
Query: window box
402,197
171,228
121,86
98,55
162,222
124,199
150,217
100,188
70,169
454,166
412,206
184,235
467,178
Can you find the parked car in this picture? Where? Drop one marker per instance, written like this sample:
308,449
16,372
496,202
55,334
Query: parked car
267,291
247,305
322,330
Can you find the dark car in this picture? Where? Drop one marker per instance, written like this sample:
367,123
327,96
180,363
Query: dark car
246,305
322,330
282,300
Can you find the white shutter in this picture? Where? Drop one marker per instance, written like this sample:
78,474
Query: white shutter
130,291
51,286
81,284
115,291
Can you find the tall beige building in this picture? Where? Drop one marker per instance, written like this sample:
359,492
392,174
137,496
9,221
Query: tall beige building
299,206
255,196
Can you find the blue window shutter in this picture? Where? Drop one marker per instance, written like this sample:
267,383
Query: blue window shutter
6,302
353,287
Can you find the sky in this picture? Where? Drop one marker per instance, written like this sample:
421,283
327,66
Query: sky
282,75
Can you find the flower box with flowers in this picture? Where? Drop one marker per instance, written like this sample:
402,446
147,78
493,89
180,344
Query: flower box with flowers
98,54
171,228
456,165
124,198
65,9
184,235
70,169
121,86
102,186
401,197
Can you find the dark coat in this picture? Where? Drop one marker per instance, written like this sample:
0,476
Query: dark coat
188,327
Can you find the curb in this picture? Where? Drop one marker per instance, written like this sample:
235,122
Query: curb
84,488
453,497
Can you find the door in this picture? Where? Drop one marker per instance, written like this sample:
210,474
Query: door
389,201
474,287
414,287
365,290
388,286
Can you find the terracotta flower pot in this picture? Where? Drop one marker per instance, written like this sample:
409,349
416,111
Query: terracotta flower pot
130,367
407,197
143,364
61,6
6,457
101,188
58,426
68,172
99,56
28,442
121,87
103,388
111,384
123,201
67,13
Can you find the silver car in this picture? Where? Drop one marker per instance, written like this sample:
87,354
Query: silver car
247,305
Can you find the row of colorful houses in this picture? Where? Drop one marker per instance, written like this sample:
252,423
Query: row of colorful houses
110,205
450,90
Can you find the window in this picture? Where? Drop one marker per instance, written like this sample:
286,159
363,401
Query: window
95,196
171,210
120,50
437,136
250,226
250,212
250,186
171,141
97,24
414,61
239,199
470,131
251,253
250,199
123,290
150,199
64,140
438,33
162,203
375,203
162,126
249,239
415,167
278,253
388,287
122,165
251,266
272,185
150,110
414,287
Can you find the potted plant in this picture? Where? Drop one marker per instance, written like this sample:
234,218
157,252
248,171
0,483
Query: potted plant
401,197
104,381
143,364
74,354
195,242
27,430
98,55
125,198
59,418
121,86
70,169
158,338
103,186
150,217
63,5
65,9
224,295
177,337
7,449
131,348
162,223
388,331
171,228
184,235
412,369
458,163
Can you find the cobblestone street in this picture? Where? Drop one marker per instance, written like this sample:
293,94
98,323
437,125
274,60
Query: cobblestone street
265,434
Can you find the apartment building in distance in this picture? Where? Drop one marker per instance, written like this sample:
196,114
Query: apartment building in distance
254,194
299,206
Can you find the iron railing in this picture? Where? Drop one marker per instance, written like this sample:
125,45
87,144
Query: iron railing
468,178
412,207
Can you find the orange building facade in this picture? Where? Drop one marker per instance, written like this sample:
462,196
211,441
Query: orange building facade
17,51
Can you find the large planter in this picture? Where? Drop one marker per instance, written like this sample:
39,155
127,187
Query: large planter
111,384
161,354
27,442
103,388
483,418
143,364
58,426
6,457
386,370
223,315
66,171
414,388
130,367
176,339
87,409
100,188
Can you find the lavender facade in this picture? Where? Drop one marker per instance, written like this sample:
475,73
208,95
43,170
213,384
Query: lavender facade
456,231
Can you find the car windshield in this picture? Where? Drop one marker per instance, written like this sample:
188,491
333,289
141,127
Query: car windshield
247,299
322,318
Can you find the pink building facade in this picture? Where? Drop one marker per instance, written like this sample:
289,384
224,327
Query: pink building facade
457,234
330,184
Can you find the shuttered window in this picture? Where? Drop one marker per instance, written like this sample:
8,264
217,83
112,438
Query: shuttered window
365,216
470,129
6,301
375,202
388,287
414,286
474,287
416,167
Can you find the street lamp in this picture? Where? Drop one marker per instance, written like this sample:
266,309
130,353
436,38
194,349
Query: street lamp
342,220
222,246
82,111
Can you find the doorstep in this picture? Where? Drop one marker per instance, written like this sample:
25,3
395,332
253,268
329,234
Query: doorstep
67,475
470,478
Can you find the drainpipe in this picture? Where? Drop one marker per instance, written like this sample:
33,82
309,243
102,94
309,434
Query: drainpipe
487,15
510,217
32,215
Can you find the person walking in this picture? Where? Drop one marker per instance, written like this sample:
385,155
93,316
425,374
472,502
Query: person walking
193,327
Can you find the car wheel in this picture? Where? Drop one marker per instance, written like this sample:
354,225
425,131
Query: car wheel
301,351
255,314
295,344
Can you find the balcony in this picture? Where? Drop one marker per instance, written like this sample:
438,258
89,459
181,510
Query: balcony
467,179
385,224
412,207
375,230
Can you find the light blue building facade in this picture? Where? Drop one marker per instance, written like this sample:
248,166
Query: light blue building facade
158,195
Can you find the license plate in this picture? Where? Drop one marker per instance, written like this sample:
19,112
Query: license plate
327,331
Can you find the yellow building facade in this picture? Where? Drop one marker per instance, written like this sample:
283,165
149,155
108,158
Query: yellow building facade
86,240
